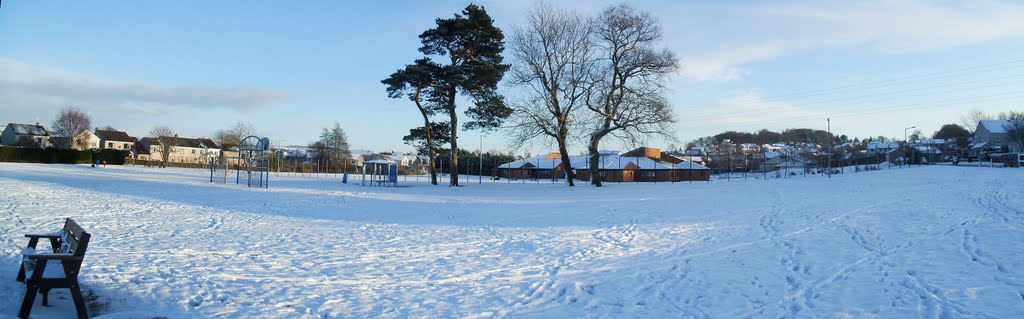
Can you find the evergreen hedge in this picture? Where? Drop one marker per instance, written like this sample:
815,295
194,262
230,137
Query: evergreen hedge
58,156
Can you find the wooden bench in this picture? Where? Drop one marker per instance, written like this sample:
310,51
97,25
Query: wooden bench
67,249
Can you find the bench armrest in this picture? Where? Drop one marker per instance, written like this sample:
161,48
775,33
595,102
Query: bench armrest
50,235
61,257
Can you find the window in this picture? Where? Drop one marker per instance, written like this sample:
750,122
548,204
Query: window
647,173
110,144
193,151
601,173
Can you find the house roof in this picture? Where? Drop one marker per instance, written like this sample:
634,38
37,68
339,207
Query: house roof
994,126
208,143
612,161
28,129
140,146
113,136
880,145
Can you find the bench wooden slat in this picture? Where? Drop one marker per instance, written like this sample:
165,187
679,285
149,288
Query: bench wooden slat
56,269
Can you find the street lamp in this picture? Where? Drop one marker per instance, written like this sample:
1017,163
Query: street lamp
905,142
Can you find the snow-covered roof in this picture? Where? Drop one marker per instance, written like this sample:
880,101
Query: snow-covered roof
928,150
357,153
880,145
932,141
28,129
379,162
613,161
994,126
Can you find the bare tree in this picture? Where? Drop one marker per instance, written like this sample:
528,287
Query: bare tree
970,120
234,135
167,139
70,122
627,95
1015,128
553,54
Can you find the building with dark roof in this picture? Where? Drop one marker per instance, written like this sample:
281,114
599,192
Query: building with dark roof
26,135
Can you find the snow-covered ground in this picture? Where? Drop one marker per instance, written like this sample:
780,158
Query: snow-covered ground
935,242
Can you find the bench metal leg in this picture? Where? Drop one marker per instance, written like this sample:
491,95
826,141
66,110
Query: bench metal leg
21,268
76,295
46,297
21,273
26,304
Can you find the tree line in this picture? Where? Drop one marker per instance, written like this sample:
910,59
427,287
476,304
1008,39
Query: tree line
574,79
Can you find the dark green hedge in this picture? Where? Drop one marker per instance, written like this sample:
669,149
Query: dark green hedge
56,156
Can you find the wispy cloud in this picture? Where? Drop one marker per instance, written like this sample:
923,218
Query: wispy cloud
715,42
25,85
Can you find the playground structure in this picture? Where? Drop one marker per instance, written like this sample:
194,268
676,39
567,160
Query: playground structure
251,158
380,173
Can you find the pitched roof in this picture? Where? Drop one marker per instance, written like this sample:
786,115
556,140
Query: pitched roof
208,143
113,136
28,129
611,161
140,146
994,126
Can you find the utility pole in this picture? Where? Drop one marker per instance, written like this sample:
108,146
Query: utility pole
828,127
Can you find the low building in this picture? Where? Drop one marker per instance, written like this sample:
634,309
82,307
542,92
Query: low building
881,148
25,135
184,149
643,164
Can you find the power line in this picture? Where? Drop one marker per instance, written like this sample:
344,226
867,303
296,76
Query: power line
769,108
910,77
1005,96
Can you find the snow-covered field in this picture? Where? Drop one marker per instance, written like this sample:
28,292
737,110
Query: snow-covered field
934,242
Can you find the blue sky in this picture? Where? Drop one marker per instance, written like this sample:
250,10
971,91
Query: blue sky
873,67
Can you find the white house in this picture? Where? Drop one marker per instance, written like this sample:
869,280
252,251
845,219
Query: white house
115,140
184,150
991,136
881,148
87,140
25,135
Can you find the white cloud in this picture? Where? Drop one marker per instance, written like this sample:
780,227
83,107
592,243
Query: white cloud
23,85
715,42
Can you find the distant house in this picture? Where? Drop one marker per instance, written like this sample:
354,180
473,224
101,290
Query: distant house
184,149
991,137
141,148
359,156
25,135
87,140
406,159
881,148
115,140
